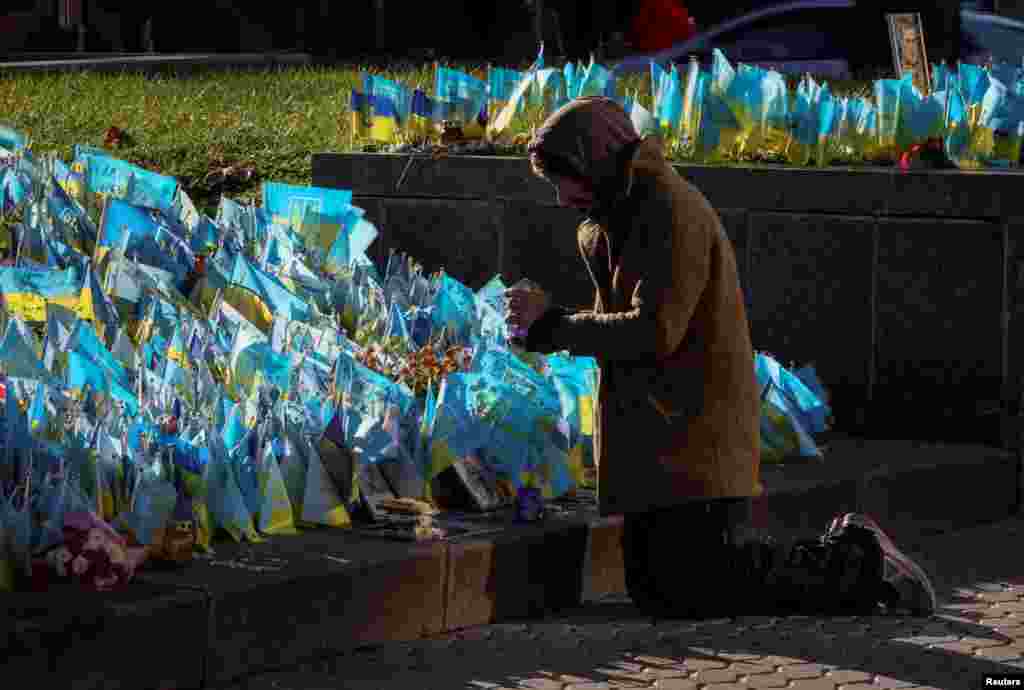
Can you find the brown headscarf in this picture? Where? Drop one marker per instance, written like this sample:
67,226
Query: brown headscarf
591,138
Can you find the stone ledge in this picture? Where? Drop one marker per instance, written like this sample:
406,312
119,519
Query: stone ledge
322,591
874,191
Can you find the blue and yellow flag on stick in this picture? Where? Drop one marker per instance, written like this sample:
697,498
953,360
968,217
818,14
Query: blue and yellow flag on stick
257,295
374,117
499,125
176,361
425,113
462,96
18,358
390,103
142,234
94,305
12,140
288,204
26,291
501,84
73,224
384,122
119,179
359,104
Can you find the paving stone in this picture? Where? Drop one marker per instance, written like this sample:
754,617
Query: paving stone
703,664
779,660
980,642
666,669
573,679
751,669
1000,596
845,676
889,683
813,684
675,684
797,671
1006,653
717,675
973,608
1009,607
620,668
767,681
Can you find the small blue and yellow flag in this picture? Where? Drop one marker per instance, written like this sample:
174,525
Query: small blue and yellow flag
384,123
27,291
424,114
360,106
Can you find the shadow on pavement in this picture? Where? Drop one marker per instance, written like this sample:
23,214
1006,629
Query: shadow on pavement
979,630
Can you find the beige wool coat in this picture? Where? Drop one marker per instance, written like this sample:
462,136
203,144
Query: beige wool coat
677,411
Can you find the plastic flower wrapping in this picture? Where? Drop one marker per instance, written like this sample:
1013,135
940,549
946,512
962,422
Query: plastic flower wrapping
168,379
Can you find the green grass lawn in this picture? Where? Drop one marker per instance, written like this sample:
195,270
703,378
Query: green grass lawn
194,128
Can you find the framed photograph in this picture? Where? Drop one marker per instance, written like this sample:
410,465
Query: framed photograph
906,35
481,483
373,488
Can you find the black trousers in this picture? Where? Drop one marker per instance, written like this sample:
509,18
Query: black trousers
681,561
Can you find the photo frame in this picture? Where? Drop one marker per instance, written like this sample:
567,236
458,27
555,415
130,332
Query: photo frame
481,482
906,37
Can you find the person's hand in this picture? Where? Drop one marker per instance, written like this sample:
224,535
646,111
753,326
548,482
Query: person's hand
525,306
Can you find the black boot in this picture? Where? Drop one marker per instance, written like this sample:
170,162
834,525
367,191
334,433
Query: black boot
837,574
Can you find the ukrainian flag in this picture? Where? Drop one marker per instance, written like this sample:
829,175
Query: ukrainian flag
27,291
12,140
374,117
360,106
322,231
384,122
177,361
257,295
123,225
19,358
464,95
176,351
204,294
119,179
288,204
71,220
206,236
85,341
93,304
423,115
501,84
498,125
598,81
379,89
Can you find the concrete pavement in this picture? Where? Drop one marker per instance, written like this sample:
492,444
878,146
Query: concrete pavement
978,572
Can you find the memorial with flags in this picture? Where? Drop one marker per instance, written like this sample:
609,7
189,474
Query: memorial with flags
255,373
